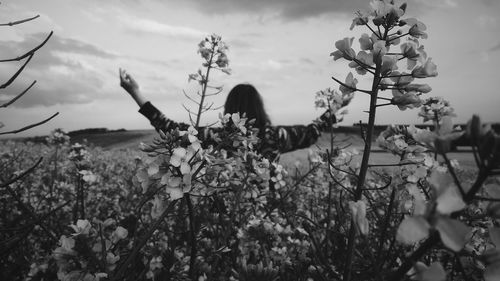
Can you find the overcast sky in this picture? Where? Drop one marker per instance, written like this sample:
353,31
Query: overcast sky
280,46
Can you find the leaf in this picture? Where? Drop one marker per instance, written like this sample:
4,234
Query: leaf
412,230
453,233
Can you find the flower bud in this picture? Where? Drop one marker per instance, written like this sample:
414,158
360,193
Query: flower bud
403,7
378,21
120,233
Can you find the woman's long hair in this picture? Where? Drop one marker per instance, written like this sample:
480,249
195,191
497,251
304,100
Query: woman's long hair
244,98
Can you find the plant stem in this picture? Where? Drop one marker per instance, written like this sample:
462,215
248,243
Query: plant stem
363,170
383,233
120,271
192,234
204,89
434,237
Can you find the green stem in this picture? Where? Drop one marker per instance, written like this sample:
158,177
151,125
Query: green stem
192,236
364,168
120,271
204,88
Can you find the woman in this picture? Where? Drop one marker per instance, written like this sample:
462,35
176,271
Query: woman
243,99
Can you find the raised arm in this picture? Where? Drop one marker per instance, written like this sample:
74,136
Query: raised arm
128,83
155,116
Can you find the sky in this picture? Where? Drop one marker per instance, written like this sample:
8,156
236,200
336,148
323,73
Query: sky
282,47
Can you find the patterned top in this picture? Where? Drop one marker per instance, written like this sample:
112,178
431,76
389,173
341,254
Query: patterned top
274,141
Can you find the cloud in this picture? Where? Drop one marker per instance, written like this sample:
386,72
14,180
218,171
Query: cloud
147,26
495,48
289,9
300,9
490,2
63,69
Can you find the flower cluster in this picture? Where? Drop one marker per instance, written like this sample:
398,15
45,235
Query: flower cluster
333,101
178,157
435,108
376,54
214,51
79,154
58,137
90,252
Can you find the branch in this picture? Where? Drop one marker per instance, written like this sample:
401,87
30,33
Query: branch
32,51
18,96
190,98
394,165
453,174
487,199
120,271
20,176
13,77
29,126
397,37
349,87
19,21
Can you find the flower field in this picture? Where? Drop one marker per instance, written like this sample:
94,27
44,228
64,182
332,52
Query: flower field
180,209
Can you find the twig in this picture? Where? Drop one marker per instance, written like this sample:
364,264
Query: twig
20,176
18,96
120,271
30,126
19,21
349,87
393,165
13,77
453,174
31,52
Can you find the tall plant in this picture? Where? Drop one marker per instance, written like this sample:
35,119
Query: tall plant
436,209
214,53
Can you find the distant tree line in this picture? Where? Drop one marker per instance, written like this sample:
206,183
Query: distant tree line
93,131
74,134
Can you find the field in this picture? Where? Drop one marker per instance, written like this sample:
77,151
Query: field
131,140
364,203
109,179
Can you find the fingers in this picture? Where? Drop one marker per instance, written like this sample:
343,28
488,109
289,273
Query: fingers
121,73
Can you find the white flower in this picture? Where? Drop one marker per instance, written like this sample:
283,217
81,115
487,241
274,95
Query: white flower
120,233
428,69
344,49
239,122
180,157
81,227
67,243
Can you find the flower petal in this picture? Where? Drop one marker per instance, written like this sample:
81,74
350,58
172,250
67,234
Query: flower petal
453,233
412,230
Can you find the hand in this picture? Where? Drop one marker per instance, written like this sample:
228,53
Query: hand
128,83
